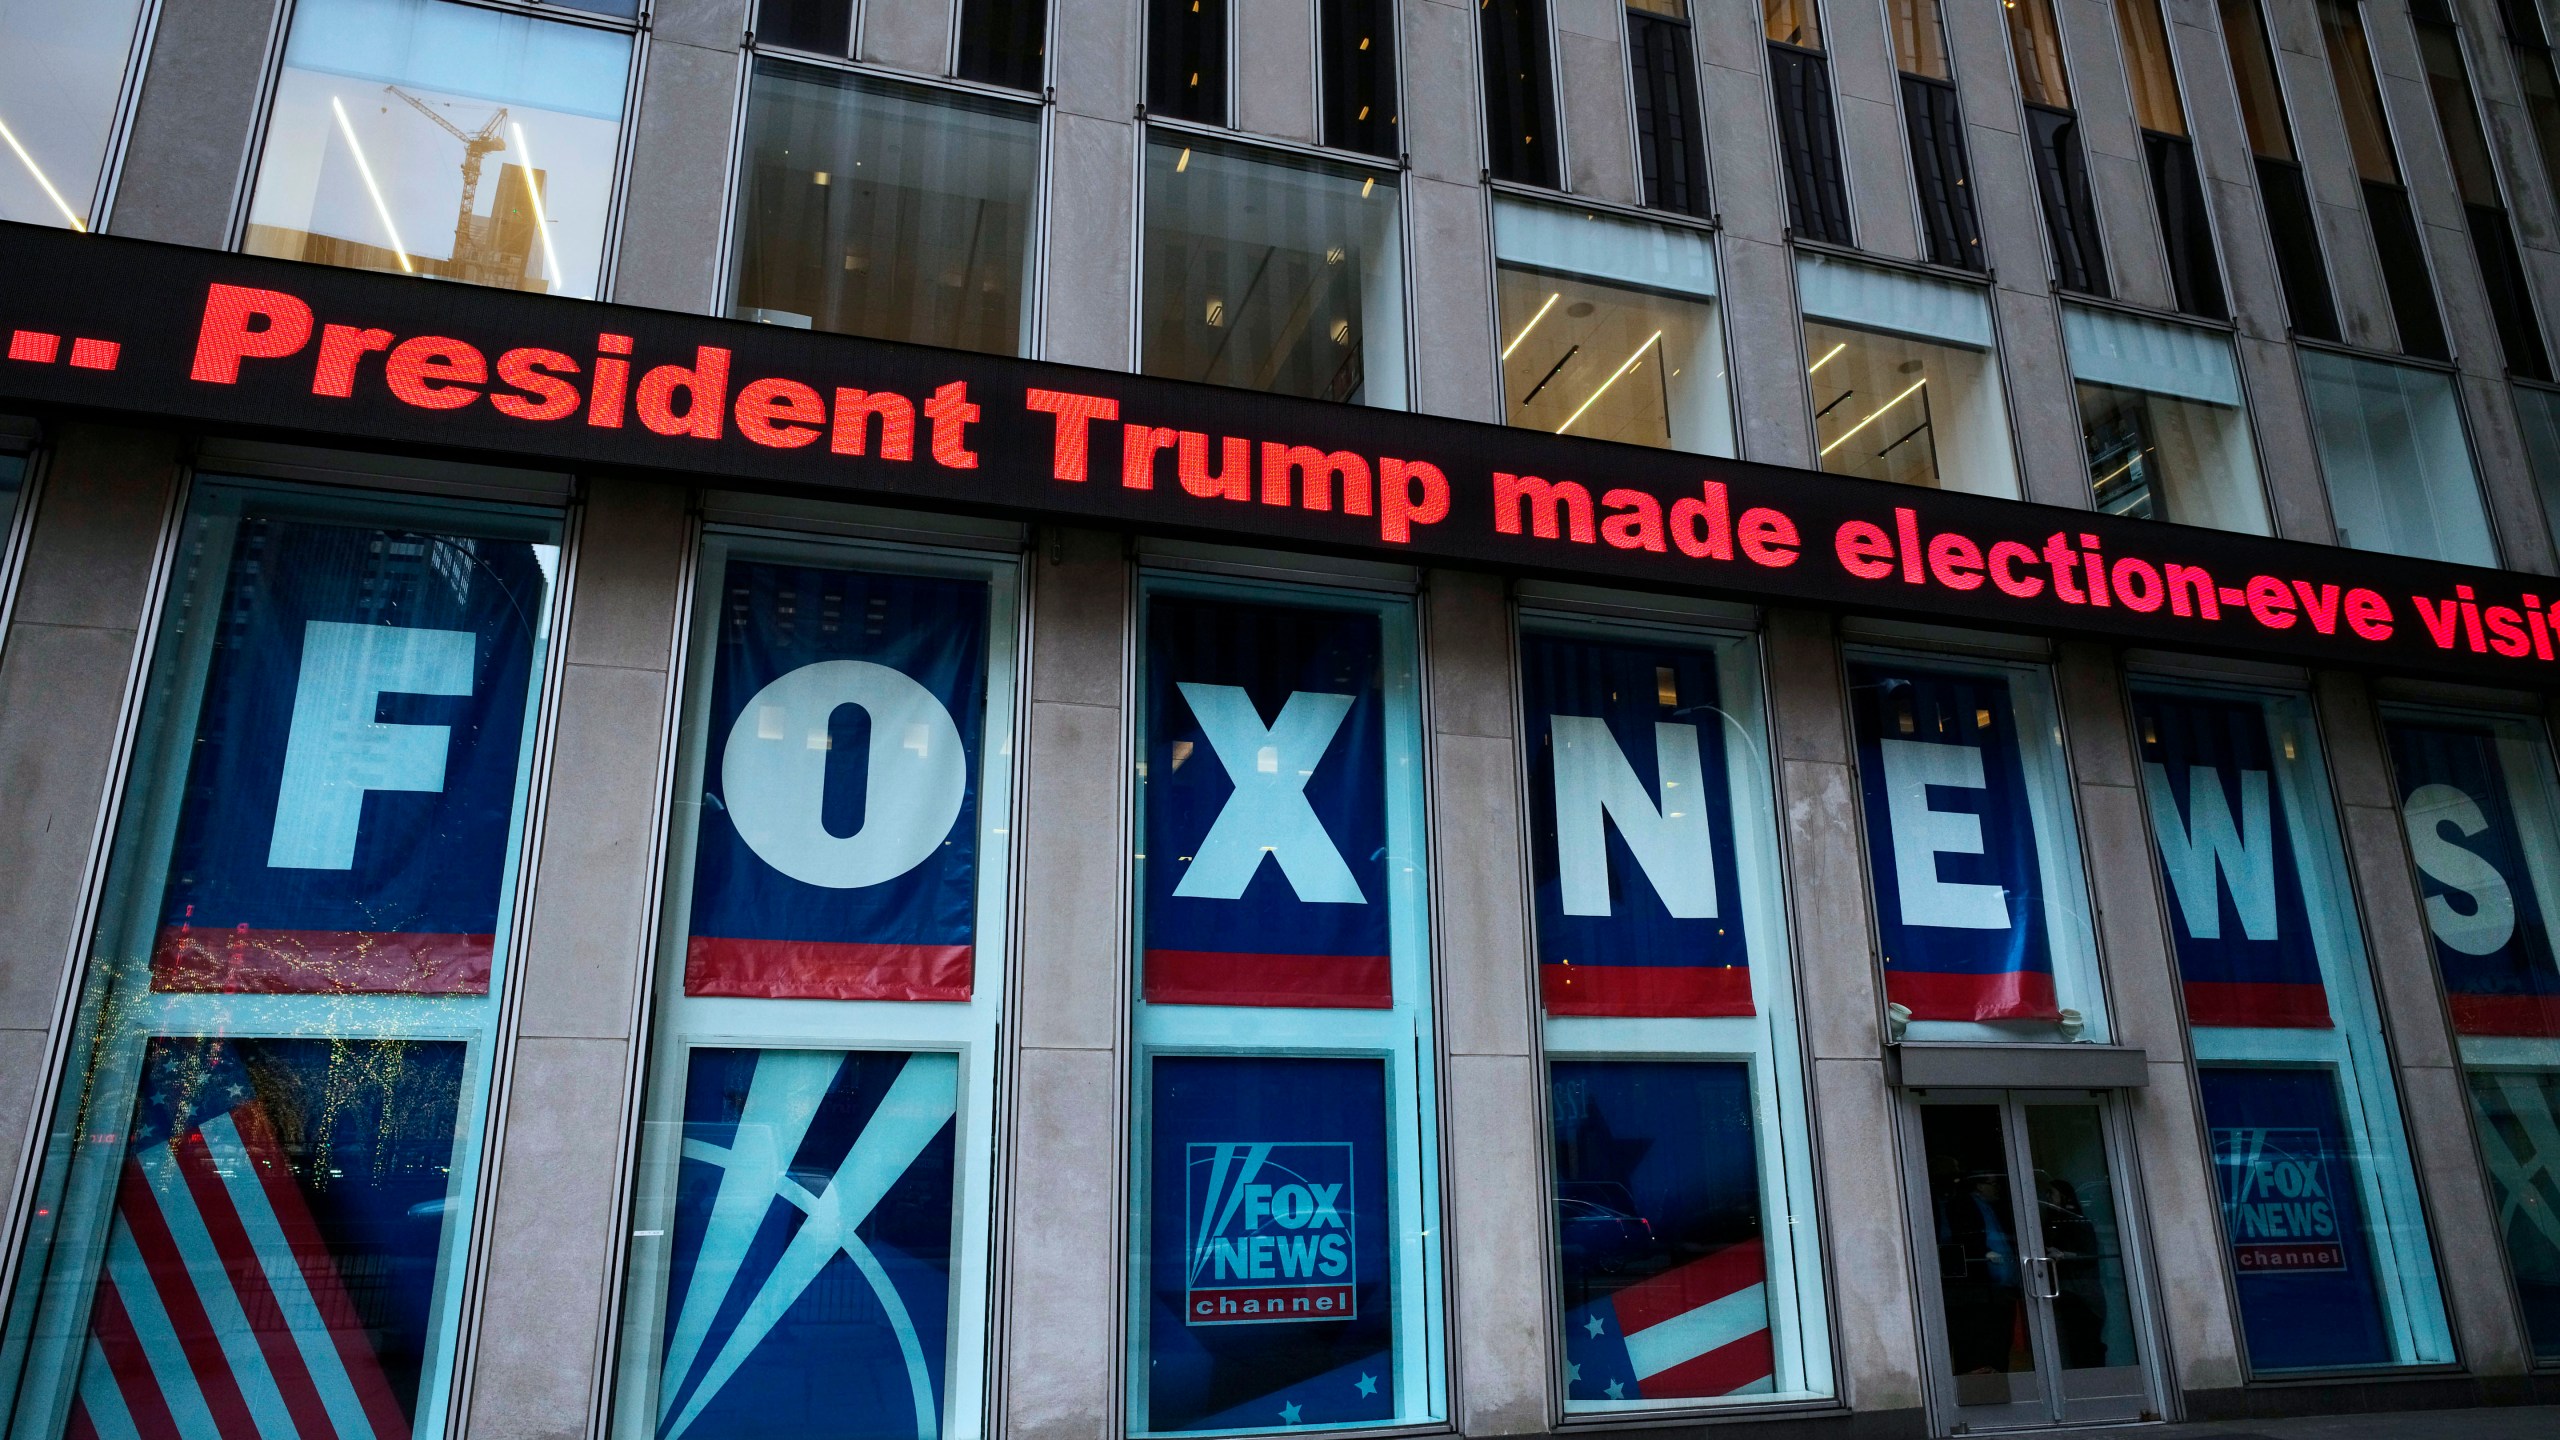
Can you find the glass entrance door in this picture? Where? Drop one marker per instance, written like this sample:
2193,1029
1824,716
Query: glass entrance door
2035,1318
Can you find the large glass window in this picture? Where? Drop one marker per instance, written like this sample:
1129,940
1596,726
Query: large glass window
1284,1264
1973,851
2321,1219
1274,273
1609,329
62,84
899,212
429,138
1905,378
2164,420
809,1246
1688,1257
2396,459
258,1181
2482,807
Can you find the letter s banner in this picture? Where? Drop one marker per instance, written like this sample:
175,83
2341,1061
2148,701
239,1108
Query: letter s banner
1264,792
1951,843
837,855
1631,831
2244,941
350,799
2484,915
2293,1217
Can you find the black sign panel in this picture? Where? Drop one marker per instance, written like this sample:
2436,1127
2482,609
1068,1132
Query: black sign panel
243,343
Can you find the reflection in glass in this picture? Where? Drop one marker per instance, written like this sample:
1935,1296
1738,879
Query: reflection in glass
1981,1265
429,138
2083,1245
1609,330
62,79
2163,418
881,210
2396,459
2519,1115
1899,408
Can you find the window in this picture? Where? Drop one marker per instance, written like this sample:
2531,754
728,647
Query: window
1004,42
1273,273
1808,130
1973,855
2475,173
1670,145
1519,93
62,84
2053,139
1610,329
822,26
2282,190
1284,1261
1359,49
2164,420
873,208
2538,412
1905,378
430,138
2477,794
2299,1100
829,977
1187,60
1688,1253
2177,191
272,1125
2386,196
2529,41
1936,123
2397,463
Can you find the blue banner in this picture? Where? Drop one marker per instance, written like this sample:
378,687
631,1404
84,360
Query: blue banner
1665,1272
1268,1233
1631,831
2294,1219
838,847
1265,801
348,807
2492,942
1951,844
809,1292
2243,932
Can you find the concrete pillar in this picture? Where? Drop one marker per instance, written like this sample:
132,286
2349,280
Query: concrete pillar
1089,294
683,129
1599,111
909,34
194,122
549,1259
2111,142
1452,280
1764,349
1275,80
2329,168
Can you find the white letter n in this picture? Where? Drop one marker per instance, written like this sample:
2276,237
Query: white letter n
1595,784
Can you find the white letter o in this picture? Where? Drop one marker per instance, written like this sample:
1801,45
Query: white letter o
773,774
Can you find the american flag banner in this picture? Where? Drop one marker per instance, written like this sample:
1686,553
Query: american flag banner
1693,1332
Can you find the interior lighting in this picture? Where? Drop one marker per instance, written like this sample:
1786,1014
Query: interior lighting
1612,380
1533,323
1827,357
1184,162
541,221
365,169
41,179
1878,415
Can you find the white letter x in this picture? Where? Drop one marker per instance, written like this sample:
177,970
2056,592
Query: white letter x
1268,814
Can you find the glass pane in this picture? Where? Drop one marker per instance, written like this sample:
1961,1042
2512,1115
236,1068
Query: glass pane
2458,114
281,1045
62,71
1793,22
2519,1114
1004,42
2359,94
1273,274
2076,1211
1613,363
2253,70
1187,59
2476,797
2541,84
2538,412
2150,68
443,140
825,26
2165,458
1519,92
1359,39
1890,407
876,210
1663,1276
2396,459
1981,1265
2035,46
1919,38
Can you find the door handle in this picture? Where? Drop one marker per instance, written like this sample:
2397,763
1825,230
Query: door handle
2042,1267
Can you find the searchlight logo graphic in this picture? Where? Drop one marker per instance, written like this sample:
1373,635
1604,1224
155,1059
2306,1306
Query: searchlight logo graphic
2277,1200
1271,1233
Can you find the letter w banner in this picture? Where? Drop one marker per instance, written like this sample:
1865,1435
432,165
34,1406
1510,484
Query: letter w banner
2492,939
1951,844
1631,809
2293,1216
349,808
2245,947
1665,1280
1266,811
270,1265
838,848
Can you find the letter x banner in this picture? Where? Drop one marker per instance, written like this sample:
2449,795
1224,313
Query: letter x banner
2492,936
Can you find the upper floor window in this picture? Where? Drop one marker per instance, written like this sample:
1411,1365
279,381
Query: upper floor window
2177,190
1905,374
2282,191
63,75
1519,93
1808,128
1356,41
2396,459
1930,110
1004,42
1610,329
2053,136
2484,204
2166,426
1187,60
1671,145
2396,239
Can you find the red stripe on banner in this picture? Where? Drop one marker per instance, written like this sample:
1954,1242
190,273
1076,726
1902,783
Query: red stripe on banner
241,1262
2506,1014
1683,990
1224,977
191,961
139,1207
311,1254
1648,1303
79,1426
2012,995
113,1327
2257,1005
823,970
1720,1371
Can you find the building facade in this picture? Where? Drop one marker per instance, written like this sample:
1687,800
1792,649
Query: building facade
1074,719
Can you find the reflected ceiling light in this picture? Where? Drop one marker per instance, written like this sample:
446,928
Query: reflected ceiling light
1532,325
365,169
1184,162
1612,380
1367,185
38,171
1827,357
1878,415
541,221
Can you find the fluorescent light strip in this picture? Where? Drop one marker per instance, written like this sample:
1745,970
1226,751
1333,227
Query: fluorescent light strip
1827,358
1878,415
38,171
365,169
1532,325
541,221
1612,380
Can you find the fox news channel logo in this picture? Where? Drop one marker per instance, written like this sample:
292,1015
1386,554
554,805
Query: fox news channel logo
1271,1233
2278,1201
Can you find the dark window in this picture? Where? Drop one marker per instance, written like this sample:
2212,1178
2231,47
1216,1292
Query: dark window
2070,211
1359,49
2493,239
1938,164
823,26
1809,139
1519,97
2386,194
1002,41
1669,142
1187,59
2287,200
2178,193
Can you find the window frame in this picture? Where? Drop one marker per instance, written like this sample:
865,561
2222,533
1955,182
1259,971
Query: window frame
137,64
